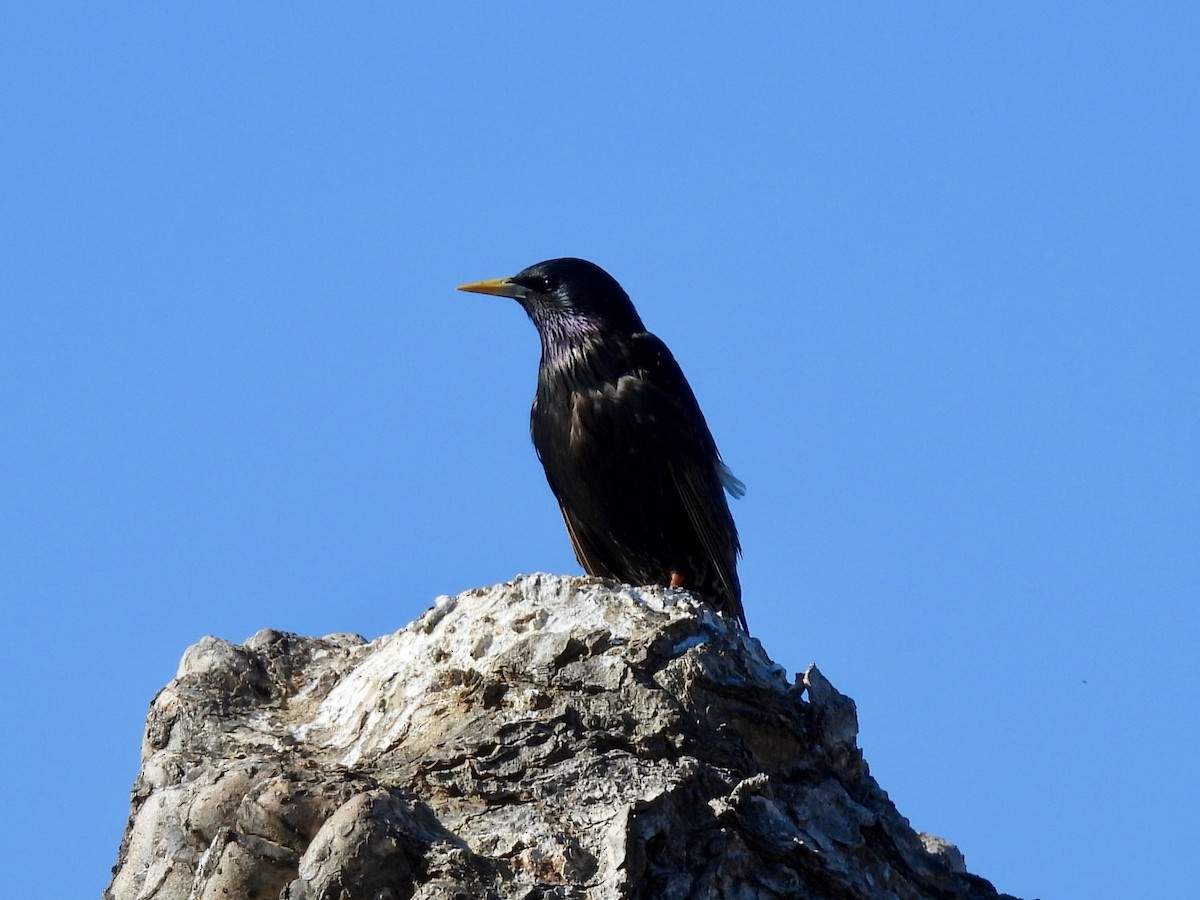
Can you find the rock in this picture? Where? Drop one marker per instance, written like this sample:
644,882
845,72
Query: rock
547,738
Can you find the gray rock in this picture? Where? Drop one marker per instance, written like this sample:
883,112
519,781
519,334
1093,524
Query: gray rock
547,738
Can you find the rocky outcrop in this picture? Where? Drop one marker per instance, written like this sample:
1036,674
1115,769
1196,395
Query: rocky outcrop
547,738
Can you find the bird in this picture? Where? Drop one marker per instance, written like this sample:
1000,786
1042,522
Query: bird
626,450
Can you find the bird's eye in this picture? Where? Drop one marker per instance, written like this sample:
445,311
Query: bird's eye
538,283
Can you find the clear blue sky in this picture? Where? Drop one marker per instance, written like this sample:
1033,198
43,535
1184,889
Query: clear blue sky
931,269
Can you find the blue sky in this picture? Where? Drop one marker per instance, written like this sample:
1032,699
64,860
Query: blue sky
931,270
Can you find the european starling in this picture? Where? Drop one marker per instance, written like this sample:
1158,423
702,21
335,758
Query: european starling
624,444
625,448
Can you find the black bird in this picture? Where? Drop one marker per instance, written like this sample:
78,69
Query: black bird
624,444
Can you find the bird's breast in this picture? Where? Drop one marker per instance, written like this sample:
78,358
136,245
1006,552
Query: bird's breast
588,401
605,413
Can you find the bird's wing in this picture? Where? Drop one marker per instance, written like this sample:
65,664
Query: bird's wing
695,464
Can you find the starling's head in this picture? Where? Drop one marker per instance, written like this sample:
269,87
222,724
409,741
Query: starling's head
567,296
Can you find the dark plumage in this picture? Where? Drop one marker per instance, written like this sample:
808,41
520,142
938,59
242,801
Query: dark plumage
624,444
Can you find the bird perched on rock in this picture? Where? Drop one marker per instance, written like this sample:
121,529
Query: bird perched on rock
624,444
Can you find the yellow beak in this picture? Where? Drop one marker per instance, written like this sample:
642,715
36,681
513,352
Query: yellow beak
501,287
